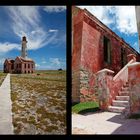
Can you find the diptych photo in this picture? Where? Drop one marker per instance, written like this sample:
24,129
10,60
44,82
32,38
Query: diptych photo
105,70
102,70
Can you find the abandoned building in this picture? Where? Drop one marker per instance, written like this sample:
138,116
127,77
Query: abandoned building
104,67
22,64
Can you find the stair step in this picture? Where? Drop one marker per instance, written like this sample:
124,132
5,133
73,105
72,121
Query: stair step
120,103
116,109
126,85
122,98
125,89
124,93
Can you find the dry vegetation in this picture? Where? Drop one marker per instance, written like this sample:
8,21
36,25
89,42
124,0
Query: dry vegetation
39,102
2,77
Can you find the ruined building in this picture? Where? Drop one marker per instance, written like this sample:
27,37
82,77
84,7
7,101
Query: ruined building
22,64
104,67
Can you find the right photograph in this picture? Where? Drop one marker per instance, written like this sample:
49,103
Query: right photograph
105,70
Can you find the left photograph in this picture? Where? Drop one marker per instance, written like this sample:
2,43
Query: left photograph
33,70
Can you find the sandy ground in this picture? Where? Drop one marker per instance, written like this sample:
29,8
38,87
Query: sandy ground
104,123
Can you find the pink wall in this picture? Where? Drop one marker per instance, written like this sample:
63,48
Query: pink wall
77,26
134,87
88,53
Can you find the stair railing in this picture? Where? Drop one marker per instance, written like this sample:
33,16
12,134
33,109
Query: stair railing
123,73
119,80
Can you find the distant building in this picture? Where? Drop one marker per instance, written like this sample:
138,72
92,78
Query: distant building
22,64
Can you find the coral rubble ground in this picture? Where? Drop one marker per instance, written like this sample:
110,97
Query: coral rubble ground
39,103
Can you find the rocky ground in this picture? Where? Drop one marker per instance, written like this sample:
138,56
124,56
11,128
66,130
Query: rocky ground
39,105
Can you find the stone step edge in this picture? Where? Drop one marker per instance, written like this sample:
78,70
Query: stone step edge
116,107
122,98
118,101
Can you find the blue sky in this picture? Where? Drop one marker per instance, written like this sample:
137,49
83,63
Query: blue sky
45,29
120,19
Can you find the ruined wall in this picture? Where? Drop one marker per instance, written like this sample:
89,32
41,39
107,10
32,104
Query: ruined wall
88,54
87,86
134,87
77,24
92,56
104,83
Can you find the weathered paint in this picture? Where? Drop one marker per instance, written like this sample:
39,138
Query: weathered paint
104,87
134,84
87,86
88,54
76,52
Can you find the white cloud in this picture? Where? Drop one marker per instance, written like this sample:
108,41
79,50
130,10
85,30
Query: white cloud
55,61
37,65
26,22
126,19
43,61
136,46
2,61
52,64
123,17
53,30
101,12
4,47
61,39
54,8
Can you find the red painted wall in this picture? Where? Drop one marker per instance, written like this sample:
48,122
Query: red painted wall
88,52
134,87
77,25
92,56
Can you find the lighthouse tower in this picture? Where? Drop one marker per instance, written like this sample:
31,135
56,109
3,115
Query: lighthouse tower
24,48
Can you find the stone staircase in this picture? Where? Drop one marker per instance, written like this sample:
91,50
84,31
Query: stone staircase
121,101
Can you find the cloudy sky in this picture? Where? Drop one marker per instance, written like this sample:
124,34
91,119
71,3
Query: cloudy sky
120,19
45,29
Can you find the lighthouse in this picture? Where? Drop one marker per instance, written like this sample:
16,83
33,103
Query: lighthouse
24,48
